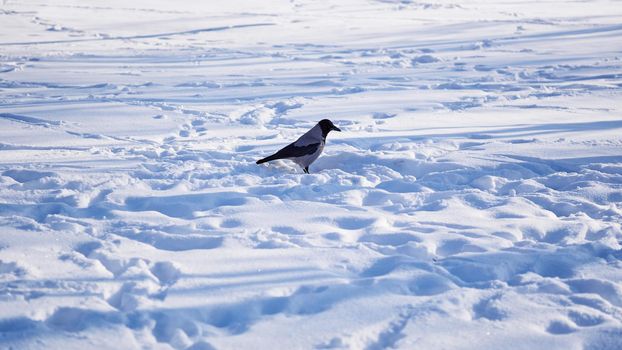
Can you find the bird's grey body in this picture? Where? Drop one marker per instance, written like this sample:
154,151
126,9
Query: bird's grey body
311,137
307,148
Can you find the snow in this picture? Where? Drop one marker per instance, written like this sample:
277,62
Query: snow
472,201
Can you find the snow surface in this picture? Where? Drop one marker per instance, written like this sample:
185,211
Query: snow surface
472,201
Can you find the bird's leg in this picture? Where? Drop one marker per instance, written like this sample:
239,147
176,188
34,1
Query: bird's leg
306,170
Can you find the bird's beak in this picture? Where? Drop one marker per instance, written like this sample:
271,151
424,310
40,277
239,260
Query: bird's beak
336,128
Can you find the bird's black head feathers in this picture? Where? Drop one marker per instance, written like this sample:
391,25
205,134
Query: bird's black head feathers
326,126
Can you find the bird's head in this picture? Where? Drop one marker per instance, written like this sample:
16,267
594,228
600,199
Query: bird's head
327,126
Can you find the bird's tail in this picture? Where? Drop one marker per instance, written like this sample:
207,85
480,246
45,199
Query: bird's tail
267,159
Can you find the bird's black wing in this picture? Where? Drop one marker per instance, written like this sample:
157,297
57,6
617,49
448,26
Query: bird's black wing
292,151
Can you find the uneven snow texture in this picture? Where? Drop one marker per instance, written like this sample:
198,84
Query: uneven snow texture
472,201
